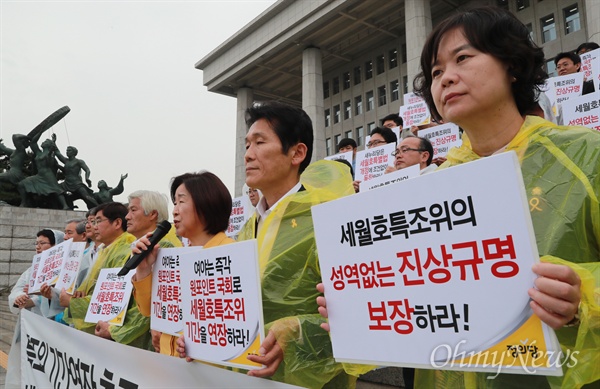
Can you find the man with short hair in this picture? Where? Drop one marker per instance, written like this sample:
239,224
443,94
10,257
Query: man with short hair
278,151
110,229
411,151
72,231
392,120
381,136
569,63
346,145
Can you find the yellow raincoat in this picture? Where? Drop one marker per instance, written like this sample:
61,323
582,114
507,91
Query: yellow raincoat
561,171
290,271
135,331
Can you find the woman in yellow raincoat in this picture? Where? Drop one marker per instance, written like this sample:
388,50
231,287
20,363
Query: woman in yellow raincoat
481,70
201,214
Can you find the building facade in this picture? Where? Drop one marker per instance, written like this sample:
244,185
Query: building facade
348,63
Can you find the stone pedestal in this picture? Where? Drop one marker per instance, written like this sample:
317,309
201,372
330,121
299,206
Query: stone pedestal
18,227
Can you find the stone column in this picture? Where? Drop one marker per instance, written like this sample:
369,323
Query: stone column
245,98
312,97
418,25
592,13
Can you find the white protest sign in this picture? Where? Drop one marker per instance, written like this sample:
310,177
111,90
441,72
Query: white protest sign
51,265
396,131
110,298
411,98
58,356
240,207
442,138
565,87
348,155
583,111
70,268
35,265
415,114
391,178
222,304
371,163
166,315
411,274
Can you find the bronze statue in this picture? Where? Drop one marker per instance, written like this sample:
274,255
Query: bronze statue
17,159
73,185
106,193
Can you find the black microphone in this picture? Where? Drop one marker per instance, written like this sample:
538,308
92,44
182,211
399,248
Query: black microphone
134,260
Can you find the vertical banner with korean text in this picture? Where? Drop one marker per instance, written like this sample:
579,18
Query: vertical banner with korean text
222,304
240,207
442,138
439,278
51,265
70,269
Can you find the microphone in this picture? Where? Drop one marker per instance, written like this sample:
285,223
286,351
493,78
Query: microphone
134,260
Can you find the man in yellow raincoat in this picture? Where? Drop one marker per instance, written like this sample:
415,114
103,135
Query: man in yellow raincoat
278,151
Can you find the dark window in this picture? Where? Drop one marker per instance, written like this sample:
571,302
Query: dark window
548,28
380,64
370,102
327,118
346,78
336,85
405,83
381,95
357,75
393,58
522,4
551,68
326,89
360,135
394,90
358,105
337,139
336,114
328,146
572,23
348,134
404,55
368,70
347,109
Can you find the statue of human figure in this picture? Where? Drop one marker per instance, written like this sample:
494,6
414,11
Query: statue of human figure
17,158
106,193
73,183
44,183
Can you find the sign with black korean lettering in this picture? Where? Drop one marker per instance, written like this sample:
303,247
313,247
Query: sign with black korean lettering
590,67
347,156
371,163
70,268
582,111
222,304
35,265
51,265
442,138
240,212
110,298
391,178
437,269
415,111
166,313
565,87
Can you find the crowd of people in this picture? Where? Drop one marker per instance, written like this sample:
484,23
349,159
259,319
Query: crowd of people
481,71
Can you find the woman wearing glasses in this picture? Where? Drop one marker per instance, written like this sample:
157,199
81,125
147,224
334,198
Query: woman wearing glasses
201,214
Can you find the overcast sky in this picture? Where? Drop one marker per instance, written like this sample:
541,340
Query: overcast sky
126,70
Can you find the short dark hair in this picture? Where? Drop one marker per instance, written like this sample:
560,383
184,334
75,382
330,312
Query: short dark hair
345,162
572,56
425,144
395,117
291,124
388,135
48,234
499,33
589,46
210,196
347,142
113,211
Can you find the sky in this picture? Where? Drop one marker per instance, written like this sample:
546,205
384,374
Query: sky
126,70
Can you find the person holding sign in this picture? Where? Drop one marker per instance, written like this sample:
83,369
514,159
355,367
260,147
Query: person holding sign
278,151
481,70
413,150
19,299
202,205
110,229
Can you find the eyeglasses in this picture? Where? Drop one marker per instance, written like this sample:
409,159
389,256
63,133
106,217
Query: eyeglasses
38,243
376,143
404,150
95,222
